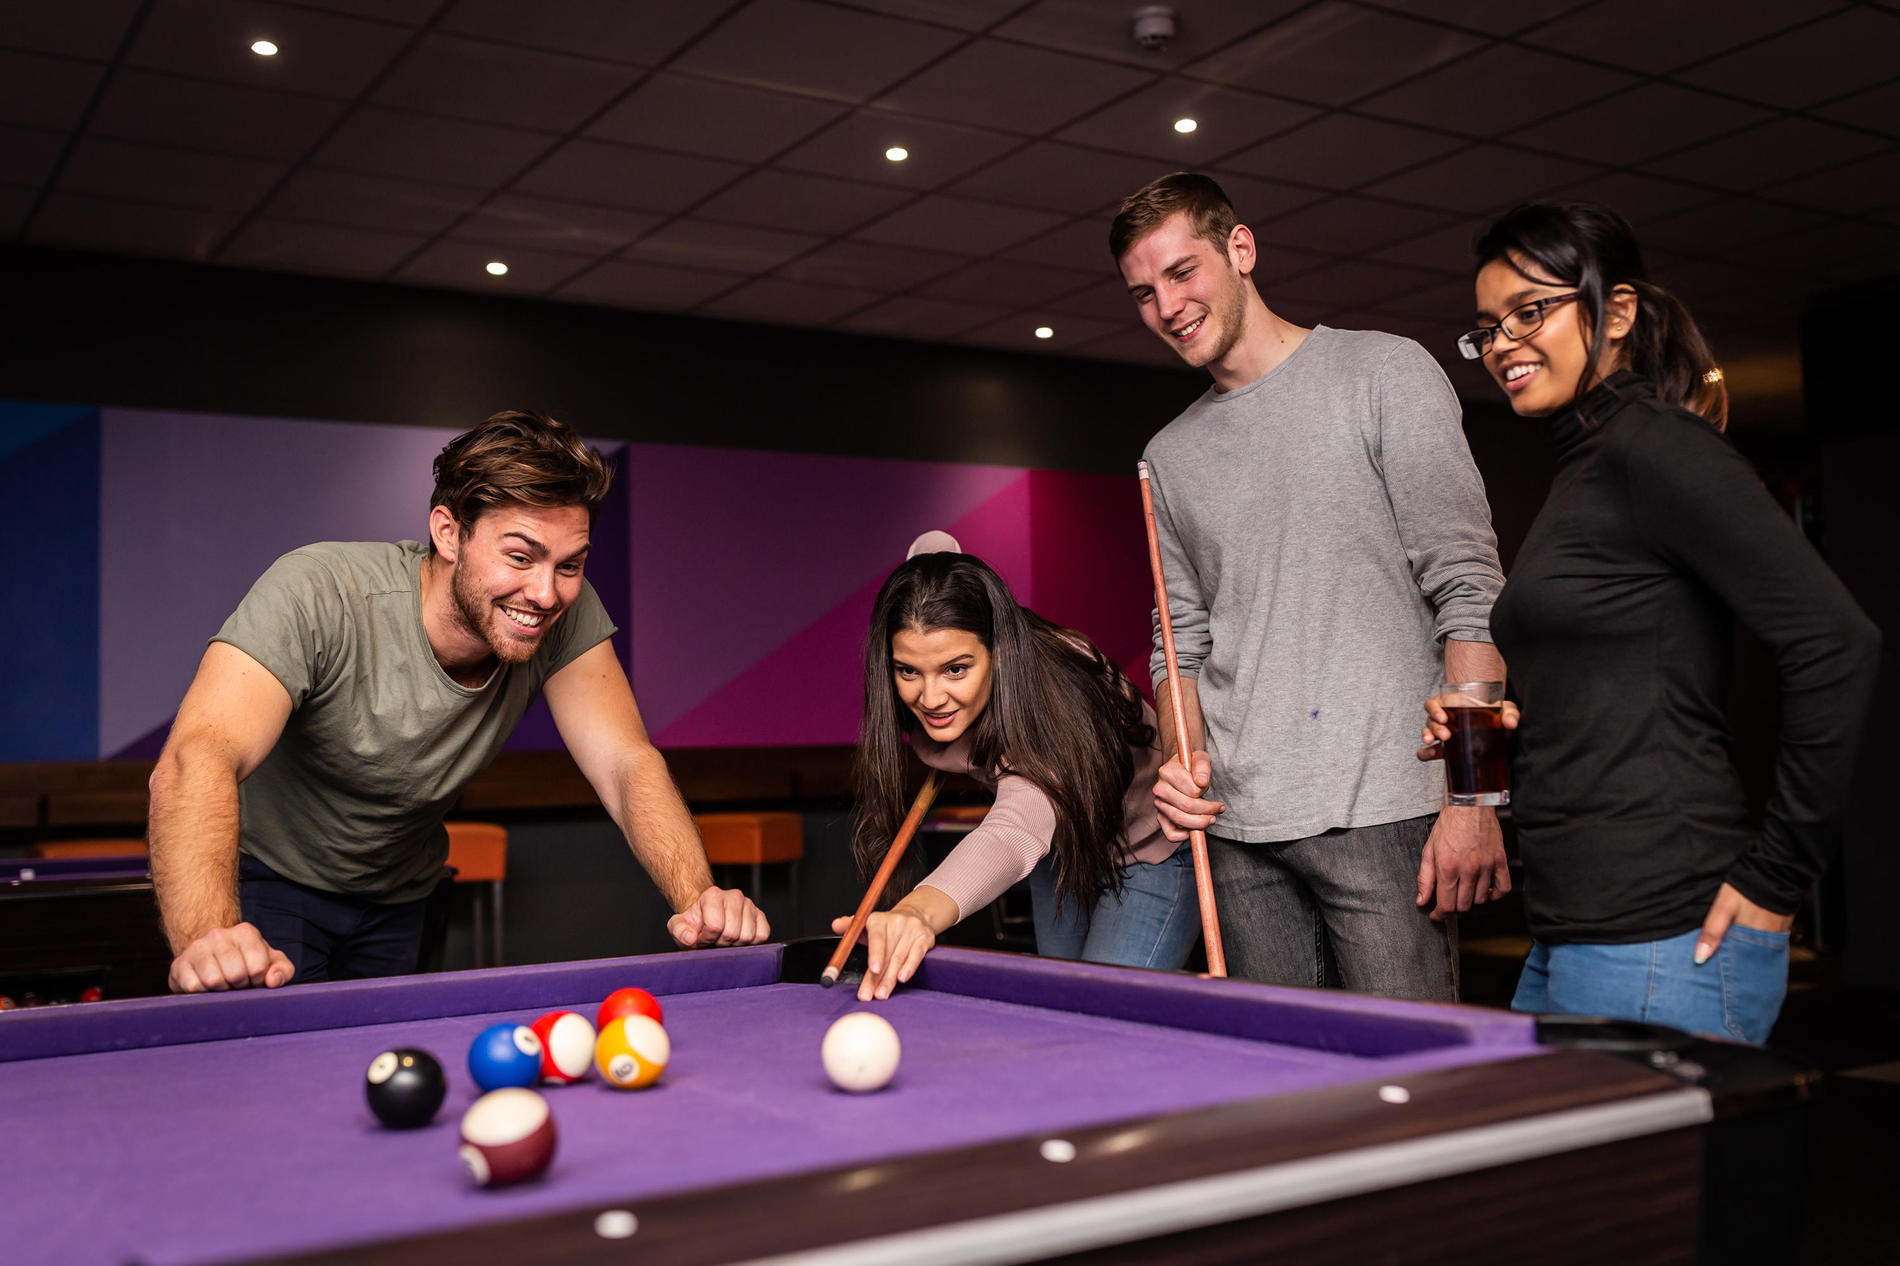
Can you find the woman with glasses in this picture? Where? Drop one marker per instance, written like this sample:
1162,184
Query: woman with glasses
1650,892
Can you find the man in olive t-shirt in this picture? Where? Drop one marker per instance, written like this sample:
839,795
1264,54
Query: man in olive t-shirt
359,686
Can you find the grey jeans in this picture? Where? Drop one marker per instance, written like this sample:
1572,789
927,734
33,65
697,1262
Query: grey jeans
1335,909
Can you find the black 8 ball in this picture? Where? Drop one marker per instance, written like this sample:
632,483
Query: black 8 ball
405,1087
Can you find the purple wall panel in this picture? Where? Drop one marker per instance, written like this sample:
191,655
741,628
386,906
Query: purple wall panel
735,552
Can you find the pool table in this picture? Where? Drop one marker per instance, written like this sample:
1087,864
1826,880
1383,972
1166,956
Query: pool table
1043,1111
81,921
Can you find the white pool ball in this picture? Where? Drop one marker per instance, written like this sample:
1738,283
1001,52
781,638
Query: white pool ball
860,1052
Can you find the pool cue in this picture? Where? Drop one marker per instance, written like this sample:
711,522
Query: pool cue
1197,840
895,854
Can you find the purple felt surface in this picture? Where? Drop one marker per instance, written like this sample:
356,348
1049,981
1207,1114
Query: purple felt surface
209,1151
27,869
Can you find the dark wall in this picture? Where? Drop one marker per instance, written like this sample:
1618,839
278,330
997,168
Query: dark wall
99,329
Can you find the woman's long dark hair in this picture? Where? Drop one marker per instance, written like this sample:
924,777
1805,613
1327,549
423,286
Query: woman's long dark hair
1061,714
1593,249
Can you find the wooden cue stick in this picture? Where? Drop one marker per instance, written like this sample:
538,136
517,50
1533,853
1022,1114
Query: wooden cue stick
1197,840
918,807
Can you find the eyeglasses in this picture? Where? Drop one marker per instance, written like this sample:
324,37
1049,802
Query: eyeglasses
1519,323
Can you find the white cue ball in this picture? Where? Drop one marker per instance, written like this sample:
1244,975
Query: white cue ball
860,1052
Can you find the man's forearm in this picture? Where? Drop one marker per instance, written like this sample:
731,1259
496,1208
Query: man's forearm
193,838
1190,709
660,831
1472,661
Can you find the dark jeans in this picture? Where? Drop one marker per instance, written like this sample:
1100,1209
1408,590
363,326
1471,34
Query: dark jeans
1335,909
328,936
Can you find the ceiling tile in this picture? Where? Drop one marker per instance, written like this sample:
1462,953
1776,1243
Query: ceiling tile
1345,284
1854,49
939,153
1350,225
137,228
909,316
173,176
718,120
622,176
49,92
1007,283
139,105
1637,198
1227,120
429,147
318,248
1255,200
322,53
1013,88
1334,53
370,202
788,303
1450,302
1878,109
801,203
1341,151
1274,260
1106,300
1855,188
1775,151
816,48
472,79
958,224
1081,245
406,12
464,266
1486,17
699,243
1095,29
1497,90
1726,225
1137,347
28,155
1840,254
644,35
538,224
636,284
15,202
1019,333
1447,249
869,266
1639,124
1654,38
92,30
1060,178
1482,178
964,15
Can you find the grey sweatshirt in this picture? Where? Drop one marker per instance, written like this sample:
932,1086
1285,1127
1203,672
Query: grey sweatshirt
1324,530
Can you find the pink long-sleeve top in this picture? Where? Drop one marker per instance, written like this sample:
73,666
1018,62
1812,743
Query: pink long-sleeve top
1017,832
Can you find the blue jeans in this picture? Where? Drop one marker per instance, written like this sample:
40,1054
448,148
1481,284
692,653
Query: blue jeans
1153,923
1735,995
328,936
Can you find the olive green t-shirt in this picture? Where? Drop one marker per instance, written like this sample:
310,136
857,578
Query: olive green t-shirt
380,740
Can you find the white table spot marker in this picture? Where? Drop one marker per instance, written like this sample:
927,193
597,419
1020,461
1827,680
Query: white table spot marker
616,1224
1395,1094
1060,1151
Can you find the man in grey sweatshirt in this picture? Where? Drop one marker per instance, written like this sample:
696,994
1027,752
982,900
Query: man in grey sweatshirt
1330,560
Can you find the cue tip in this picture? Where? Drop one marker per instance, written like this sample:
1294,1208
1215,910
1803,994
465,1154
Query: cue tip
829,978
1141,468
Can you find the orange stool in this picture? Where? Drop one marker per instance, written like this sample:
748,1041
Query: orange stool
479,853
127,847
753,839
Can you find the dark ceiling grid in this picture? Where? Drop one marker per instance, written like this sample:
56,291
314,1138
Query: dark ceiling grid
1754,192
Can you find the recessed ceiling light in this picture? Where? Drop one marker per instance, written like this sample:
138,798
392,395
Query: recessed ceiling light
1043,331
264,48
497,269
897,153
1184,126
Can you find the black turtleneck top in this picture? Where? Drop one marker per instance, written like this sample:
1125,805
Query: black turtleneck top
1617,625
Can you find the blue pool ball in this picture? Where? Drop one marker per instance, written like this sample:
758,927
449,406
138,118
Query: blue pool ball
505,1055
